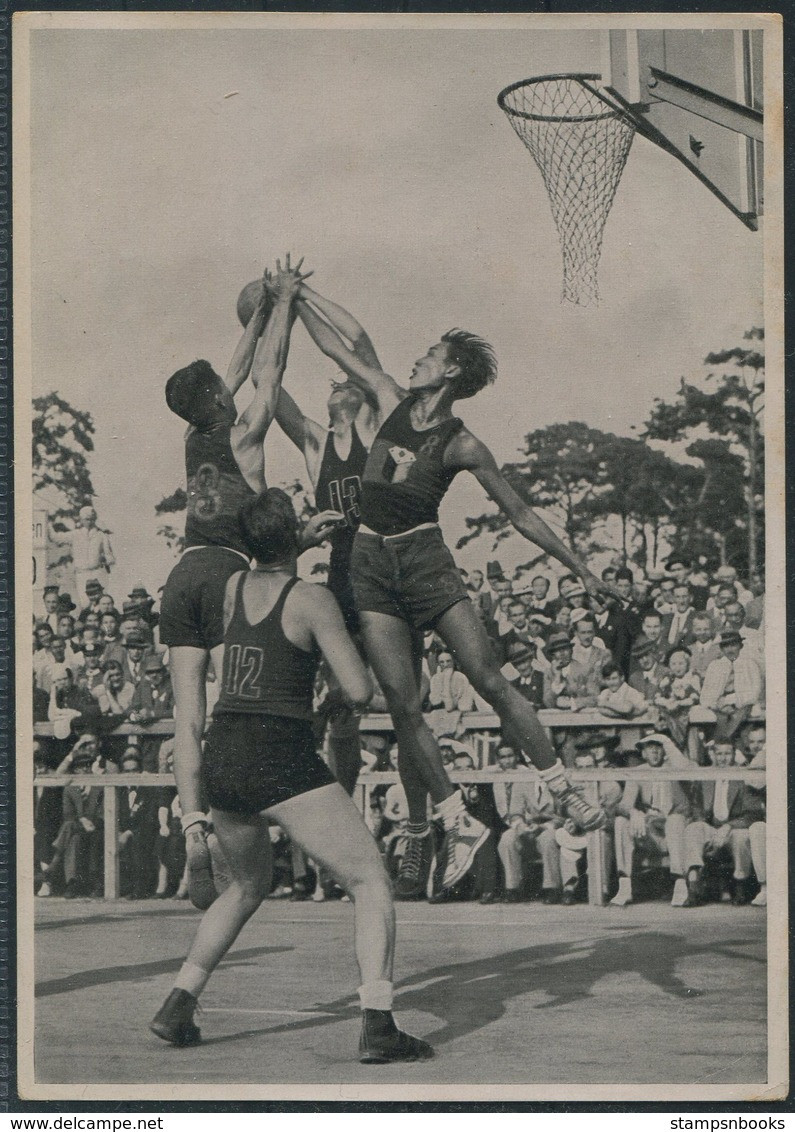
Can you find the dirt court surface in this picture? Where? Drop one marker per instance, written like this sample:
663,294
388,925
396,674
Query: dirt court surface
506,993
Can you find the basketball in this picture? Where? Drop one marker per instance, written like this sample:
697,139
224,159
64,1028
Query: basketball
247,299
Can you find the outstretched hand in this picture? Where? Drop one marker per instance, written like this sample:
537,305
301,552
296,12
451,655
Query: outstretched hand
286,281
317,529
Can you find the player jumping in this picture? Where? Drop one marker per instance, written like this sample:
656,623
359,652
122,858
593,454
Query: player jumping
405,578
225,467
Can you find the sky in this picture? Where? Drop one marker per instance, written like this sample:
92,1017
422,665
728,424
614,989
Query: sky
170,167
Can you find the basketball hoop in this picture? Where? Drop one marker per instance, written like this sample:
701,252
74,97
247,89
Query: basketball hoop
580,141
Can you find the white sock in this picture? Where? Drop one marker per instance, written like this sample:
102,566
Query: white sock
376,995
449,809
555,777
192,979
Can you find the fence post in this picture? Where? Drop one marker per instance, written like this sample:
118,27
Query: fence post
110,804
594,851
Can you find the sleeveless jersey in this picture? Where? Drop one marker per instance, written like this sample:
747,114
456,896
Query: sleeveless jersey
216,490
405,478
264,673
339,486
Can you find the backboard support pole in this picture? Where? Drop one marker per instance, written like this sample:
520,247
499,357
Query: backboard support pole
706,104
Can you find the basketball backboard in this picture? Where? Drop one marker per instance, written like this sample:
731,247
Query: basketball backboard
698,95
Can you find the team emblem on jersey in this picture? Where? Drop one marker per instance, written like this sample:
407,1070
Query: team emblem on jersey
399,464
204,499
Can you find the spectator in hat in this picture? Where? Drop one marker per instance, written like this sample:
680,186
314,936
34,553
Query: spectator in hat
572,592
92,660
140,596
732,686
137,651
152,700
617,699
567,686
724,810
529,679
704,647
592,751
588,650
132,622
93,592
527,810
92,553
50,599
651,818
647,670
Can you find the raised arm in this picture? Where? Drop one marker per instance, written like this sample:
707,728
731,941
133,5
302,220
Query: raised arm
467,452
240,365
307,435
371,379
324,620
344,322
270,359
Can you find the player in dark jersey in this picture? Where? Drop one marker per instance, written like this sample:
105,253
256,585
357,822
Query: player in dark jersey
260,762
335,458
404,577
224,463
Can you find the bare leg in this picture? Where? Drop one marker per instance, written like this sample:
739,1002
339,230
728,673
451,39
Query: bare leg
351,856
188,675
390,651
463,633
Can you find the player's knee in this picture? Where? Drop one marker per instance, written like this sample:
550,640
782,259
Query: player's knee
488,682
406,713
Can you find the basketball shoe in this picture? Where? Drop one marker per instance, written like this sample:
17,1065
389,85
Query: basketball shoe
201,888
411,882
462,839
174,1020
382,1041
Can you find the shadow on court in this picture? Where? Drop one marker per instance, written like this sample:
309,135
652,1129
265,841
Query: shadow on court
475,994
135,972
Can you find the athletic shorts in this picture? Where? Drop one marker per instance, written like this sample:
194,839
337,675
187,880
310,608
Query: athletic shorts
252,762
192,608
411,576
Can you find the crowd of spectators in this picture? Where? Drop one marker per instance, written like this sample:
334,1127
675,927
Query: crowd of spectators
681,654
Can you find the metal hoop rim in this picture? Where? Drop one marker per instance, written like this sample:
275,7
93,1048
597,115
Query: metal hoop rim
610,112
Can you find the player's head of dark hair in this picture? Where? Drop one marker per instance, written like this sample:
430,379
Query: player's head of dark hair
476,362
193,394
269,527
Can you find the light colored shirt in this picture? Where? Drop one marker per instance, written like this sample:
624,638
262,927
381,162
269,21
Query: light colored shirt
742,677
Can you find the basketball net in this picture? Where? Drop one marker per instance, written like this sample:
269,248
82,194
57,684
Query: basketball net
580,142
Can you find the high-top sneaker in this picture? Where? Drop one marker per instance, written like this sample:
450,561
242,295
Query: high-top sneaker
382,1041
411,882
174,1020
461,842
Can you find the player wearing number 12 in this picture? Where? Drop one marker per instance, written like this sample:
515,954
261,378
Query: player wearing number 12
260,763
